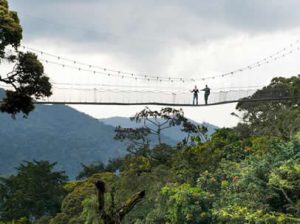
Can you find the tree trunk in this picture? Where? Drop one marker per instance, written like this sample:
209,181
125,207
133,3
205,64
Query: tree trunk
118,216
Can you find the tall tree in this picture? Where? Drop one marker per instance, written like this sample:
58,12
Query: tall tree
154,122
137,138
157,121
26,80
278,118
35,191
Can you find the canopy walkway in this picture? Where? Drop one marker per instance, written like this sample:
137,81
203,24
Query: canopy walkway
160,98
131,97
98,96
75,82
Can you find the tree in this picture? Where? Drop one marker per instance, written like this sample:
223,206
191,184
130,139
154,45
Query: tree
26,80
196,133
263,188
181,204
36,190
138,142
277,118
154,122
189,162
157,121
89,170
286,180
114,202
117,215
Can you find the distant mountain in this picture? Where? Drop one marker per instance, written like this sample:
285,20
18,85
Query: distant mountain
2,94
60,134
56,133
173,133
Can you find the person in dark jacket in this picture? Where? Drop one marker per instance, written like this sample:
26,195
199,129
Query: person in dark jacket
206,93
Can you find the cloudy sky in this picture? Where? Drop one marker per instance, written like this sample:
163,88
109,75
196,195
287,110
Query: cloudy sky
189,39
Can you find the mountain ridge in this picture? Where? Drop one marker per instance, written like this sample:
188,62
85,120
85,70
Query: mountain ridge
57,133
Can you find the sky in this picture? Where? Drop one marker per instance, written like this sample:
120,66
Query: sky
188,39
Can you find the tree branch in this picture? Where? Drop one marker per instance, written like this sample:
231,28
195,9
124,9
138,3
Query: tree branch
151,129
151,121
130,204
115,217
165,122
165,127
284,194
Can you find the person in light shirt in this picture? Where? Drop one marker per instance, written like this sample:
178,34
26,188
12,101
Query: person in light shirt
195,96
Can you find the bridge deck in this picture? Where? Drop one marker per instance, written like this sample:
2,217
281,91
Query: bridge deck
167,104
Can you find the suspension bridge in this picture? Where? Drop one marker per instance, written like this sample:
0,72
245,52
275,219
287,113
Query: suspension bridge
160,98
82,83
110,97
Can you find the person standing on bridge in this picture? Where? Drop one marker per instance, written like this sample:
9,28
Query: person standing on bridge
206,93
195,97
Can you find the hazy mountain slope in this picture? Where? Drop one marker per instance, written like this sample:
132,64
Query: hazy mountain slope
56,133
2,94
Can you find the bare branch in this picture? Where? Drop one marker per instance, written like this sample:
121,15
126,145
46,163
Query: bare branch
152,122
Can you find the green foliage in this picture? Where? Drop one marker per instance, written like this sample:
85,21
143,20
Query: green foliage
115,165
182,204
77,206
224,180
138,142
26,78
35,191
161,154
137,164
151,182
275,118
286,180
29,83
90,211
22,220
236,215
89,170
196,133
225,143
11,31
263,187
43,220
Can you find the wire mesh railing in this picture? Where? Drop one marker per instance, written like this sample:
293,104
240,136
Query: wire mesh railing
132,97
121,96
